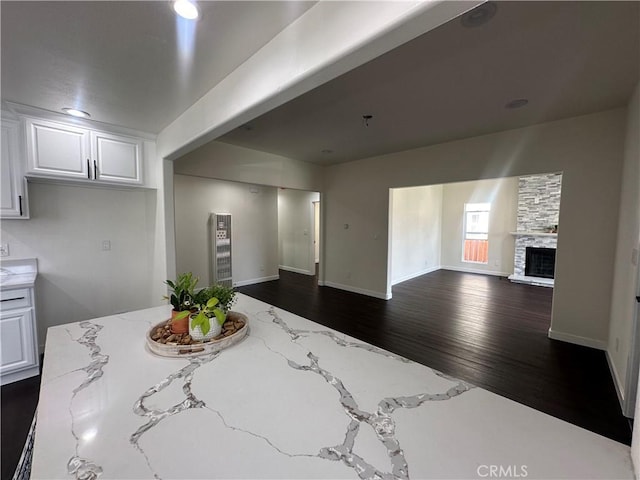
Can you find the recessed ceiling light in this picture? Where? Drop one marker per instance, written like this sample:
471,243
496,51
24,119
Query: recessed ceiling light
75,112
479,15
517,103
186,9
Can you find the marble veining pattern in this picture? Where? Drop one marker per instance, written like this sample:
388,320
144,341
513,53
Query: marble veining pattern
82,468
297,333
292,400
155,416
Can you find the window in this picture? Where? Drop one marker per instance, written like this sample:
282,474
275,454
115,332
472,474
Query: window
476,232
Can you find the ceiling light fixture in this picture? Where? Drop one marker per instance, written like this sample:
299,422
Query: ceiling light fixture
517,103
75,112
479,15
186,9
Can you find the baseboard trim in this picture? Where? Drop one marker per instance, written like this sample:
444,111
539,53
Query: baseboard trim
361,291
416,274
295,270
252,281
616,379
473,270
577,340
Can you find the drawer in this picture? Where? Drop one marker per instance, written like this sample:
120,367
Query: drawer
18,298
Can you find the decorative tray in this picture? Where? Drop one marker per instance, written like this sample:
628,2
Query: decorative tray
235,328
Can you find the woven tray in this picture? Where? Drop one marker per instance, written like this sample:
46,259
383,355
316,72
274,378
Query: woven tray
182,351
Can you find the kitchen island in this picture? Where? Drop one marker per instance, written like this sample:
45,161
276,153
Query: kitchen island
293,399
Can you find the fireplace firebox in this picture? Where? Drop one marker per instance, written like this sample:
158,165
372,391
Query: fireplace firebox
540,262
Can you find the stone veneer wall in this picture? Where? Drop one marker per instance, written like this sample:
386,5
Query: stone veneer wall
538,202
538,209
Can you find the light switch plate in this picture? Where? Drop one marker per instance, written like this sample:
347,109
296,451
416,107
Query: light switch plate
4,250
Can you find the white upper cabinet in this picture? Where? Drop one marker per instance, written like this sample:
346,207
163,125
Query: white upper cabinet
13,200
58,150
116,158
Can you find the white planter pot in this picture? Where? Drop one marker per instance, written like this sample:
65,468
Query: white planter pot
196,333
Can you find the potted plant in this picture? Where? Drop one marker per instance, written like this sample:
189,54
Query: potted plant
207,323
181,298
214,301
226,296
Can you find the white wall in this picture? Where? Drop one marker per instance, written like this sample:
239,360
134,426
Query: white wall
254,224
624,287
503,195
237,164
587,149
222,161
78,280
295,230
416,223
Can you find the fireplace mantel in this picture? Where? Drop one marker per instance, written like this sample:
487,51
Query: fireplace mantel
533,234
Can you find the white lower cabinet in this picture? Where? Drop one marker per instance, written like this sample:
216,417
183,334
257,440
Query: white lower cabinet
18,340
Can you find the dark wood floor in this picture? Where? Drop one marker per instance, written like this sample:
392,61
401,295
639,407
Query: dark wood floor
19,401
482,329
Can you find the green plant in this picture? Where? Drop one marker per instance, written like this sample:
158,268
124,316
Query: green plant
225,295
208,311
182,294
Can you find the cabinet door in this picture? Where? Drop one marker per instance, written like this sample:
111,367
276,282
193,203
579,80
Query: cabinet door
57,149
16,341
13,202
117,158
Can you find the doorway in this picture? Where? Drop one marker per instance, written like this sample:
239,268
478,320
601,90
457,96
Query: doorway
298,231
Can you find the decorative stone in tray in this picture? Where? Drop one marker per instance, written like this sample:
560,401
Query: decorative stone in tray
162,342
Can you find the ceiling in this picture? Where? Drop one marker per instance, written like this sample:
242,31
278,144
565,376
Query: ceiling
124,61
566,58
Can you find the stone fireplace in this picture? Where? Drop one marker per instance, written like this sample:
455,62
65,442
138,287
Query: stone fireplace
538,211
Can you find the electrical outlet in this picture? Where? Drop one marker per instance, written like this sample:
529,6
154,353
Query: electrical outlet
106,245
4,250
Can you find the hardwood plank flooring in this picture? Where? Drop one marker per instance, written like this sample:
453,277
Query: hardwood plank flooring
482,329
19,401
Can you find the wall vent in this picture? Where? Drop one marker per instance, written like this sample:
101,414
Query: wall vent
220,232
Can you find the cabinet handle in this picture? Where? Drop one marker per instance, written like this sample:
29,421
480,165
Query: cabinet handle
88,169
95,170
20,203
11,299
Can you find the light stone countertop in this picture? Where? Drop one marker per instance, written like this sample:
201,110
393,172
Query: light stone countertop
18,273
293,399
